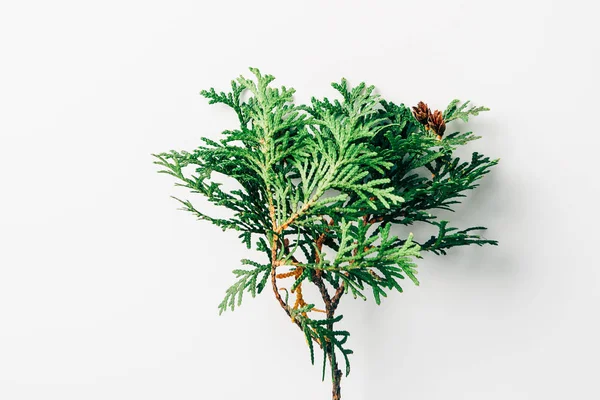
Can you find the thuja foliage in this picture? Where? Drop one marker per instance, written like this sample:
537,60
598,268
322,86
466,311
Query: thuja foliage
319,187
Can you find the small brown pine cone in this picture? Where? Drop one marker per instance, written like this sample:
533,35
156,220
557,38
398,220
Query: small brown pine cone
421,112
436,123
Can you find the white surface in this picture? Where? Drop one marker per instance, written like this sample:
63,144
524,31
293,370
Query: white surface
108,292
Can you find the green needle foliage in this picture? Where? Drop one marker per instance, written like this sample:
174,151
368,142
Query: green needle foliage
320,187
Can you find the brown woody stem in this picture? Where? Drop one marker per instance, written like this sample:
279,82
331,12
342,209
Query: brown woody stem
330,307
330,303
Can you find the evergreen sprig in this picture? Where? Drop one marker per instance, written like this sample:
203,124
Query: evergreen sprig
320,188
248,281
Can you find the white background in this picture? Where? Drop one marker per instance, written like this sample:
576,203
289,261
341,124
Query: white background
108,292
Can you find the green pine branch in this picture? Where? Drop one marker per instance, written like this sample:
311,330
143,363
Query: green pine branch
248,281
320,188
454,111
